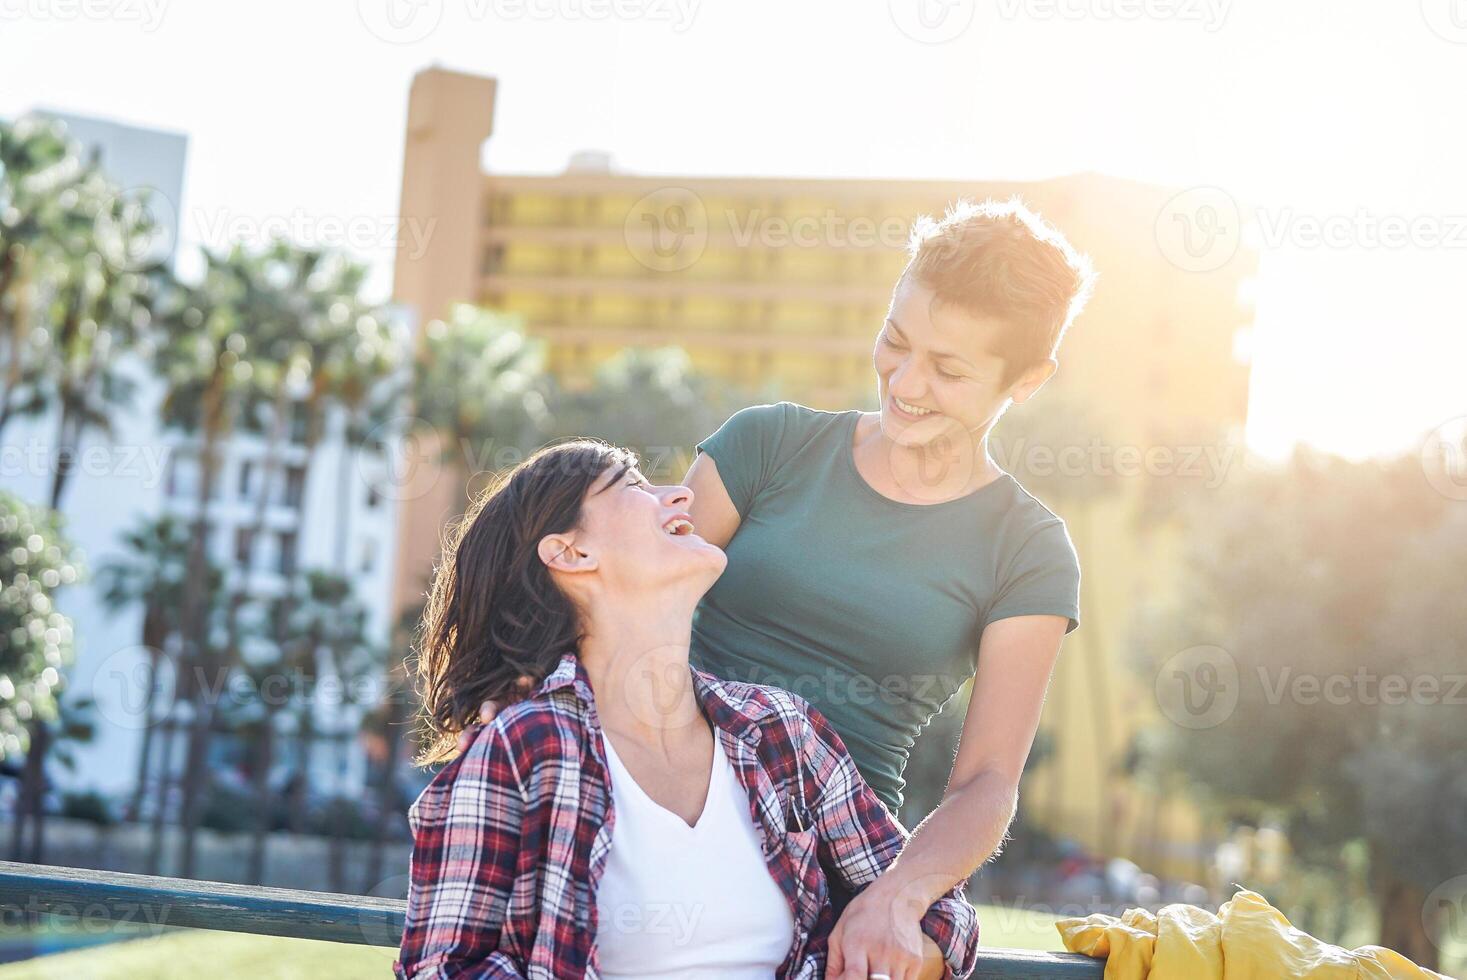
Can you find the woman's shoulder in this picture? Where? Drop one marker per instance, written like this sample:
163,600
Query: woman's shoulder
1027,521
784,417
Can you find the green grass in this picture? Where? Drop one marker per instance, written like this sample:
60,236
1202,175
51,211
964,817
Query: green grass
190,955
1011,928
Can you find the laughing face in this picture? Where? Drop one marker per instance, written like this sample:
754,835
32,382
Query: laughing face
937,377
638,535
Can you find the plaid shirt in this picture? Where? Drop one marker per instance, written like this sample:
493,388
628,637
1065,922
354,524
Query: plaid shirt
511,837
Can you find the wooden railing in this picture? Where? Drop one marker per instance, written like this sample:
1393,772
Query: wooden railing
109,896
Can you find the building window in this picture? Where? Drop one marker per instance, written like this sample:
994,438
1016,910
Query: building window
300,418
373,497
287,554
279,614
246,471
295,487
184,475
493,260
244,539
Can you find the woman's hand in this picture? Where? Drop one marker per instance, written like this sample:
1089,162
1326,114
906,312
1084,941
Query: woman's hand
487,711
878,936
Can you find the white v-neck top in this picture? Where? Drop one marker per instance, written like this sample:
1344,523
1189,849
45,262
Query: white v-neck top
694,903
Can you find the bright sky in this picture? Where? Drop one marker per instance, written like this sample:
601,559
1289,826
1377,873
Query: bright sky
1336,117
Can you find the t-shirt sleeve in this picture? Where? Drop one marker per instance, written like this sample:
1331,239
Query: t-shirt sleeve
1042,578
745,448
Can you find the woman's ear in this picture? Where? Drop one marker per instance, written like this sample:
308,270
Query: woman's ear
1032,380
559,553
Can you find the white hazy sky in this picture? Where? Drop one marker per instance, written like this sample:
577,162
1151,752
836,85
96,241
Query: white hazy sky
1348,114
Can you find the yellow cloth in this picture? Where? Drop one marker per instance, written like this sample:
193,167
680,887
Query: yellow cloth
1248,940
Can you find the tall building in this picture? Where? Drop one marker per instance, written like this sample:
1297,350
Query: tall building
788,280
142,471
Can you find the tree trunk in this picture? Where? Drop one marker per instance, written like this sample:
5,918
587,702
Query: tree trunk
343,496
1403,921
163,786
336,848
66,447
198,650
30,779
386,794
154,636
35,763
265,800
18,327
298,796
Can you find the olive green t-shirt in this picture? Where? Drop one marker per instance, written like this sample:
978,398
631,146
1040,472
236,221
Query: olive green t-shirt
869,608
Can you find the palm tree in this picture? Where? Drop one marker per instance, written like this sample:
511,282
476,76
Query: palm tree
326,635
40,173
479,382
365,379
99,311
152,575
386,723
208,360
651,400
68,315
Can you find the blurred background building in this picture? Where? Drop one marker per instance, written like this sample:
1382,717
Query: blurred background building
144,471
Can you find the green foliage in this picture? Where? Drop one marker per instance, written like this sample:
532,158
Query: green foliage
35,638
343,817
228,810
78,281
1327,583
481,383
652,401
90,806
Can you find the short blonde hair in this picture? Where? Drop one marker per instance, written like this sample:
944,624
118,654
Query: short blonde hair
1001,259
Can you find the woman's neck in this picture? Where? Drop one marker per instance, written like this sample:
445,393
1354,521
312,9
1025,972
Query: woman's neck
636,657
952,466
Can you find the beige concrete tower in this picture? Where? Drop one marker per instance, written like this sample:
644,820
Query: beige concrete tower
450,115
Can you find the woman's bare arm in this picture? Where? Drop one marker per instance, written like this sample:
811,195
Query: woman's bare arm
1016,657
715,518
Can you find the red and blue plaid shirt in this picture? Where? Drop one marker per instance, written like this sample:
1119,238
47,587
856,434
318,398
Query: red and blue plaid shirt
511,837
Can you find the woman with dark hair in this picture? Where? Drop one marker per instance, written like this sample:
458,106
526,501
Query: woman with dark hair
878,561
628,816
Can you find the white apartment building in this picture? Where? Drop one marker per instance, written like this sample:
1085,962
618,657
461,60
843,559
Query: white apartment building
143,471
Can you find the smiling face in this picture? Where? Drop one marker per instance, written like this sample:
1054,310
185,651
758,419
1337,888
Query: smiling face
635,537
936,375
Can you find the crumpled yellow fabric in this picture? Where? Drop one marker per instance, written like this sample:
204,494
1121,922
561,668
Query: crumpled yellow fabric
1248,939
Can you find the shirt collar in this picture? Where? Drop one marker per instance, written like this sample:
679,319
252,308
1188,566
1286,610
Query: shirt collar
724,708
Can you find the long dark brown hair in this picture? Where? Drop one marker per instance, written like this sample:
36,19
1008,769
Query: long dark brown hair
494,614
